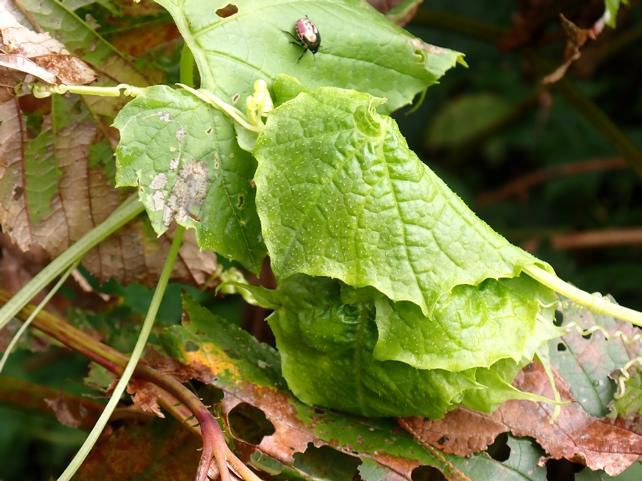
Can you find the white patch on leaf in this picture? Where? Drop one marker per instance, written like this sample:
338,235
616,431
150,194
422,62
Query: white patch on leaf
185,200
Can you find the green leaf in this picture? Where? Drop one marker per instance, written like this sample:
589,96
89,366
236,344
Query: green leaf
254,43
521,465
634,473
183,156
370,470
473,327
611,9
360,206
227,350
326,335
629,404
248,371
41,175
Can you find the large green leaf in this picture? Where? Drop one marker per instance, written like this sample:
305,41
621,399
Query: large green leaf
183,156
234,51
326,334
340,194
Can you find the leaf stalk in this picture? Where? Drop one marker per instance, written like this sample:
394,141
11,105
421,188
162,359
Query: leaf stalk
594,302
137,352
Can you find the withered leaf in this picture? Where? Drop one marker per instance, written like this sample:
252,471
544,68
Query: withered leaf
145,397
574,435
38,54
590,352
158,451
576,37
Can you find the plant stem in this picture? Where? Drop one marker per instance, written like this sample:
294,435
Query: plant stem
121,216
594,302
235,114
186,73
35,312
171,389
148,323
41,90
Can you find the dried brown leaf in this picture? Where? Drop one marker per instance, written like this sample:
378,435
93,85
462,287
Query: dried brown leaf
576,37
156,451
38,54
574,435
145,396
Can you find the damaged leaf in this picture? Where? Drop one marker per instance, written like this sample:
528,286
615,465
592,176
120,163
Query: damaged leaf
381,59
627,405
183,156
55,187
159,451
248,372
594,347
574,435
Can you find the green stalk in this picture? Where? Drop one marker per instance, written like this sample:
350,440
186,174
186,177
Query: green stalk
35,312
121,216
137,352
594,302
187,66
42,90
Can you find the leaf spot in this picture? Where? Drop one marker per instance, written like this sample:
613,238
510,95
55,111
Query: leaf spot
180,134
188,193
165,117
227,11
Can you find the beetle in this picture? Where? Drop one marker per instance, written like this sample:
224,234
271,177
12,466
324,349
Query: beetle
307,36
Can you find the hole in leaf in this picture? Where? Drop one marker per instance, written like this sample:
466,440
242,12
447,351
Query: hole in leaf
227,11
427,473
561,470
559,318
327,463
587,336
249,423
561,347
500,450
240,201
210,395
